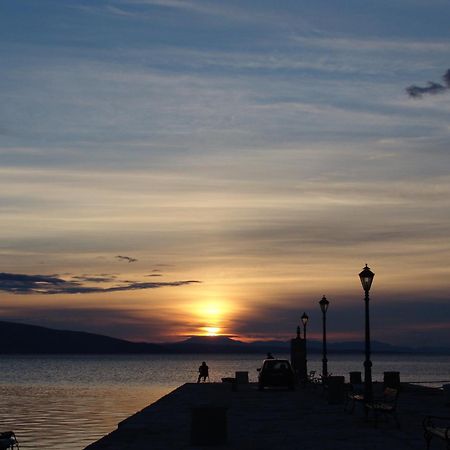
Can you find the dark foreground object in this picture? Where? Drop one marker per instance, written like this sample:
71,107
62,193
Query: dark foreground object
209,425
437,427
8,440
274,419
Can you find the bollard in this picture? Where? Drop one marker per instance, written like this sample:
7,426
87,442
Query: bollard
446,389
241,381
242,377
209,425
391,380
335,390
355,378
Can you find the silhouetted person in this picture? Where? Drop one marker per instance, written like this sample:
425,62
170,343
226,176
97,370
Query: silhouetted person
203,372
269,356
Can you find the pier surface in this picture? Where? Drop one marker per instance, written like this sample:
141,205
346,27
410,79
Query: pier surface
276,419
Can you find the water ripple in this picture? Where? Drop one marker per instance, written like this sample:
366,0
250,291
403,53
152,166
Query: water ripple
67,402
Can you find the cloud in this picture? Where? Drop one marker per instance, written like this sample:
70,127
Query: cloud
126,258
176,4
96,279
42,284
432,88
446,78
412,323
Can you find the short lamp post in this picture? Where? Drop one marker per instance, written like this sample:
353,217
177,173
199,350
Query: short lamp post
305,319
324,307
366,277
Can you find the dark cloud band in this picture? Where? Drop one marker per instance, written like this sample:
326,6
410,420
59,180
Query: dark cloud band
126,258
42,284
432,87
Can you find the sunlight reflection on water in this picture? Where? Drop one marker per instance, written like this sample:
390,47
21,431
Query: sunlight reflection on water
67,402
69,417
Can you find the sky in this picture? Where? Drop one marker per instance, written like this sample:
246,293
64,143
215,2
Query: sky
171,168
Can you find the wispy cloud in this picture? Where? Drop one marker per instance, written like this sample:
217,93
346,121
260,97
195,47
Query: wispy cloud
43,284
175,4
95,279
143,10
360,44
128,259
432,87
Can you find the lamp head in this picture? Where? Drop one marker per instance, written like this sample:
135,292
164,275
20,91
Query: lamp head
324,304
366,277
305,319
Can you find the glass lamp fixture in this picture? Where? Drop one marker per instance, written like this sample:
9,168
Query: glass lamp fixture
305,319
324,304
366,277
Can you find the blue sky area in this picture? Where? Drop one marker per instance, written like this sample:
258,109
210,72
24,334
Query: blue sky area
248,156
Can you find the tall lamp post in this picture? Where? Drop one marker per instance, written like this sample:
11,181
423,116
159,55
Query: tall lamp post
366,277
324,307
305,319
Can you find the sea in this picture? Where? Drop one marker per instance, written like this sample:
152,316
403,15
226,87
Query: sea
66,402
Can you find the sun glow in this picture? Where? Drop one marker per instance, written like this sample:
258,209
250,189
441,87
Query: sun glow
212,315
211,331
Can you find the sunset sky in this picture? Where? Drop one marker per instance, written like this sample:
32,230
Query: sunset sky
172,168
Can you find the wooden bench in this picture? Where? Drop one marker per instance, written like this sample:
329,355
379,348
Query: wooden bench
435,426
353,397
385,406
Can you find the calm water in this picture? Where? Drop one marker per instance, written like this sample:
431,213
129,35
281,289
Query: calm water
67,402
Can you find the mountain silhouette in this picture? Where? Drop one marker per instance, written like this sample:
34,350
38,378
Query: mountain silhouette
21,338
17,338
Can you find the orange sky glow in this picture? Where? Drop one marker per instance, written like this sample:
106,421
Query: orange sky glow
180,168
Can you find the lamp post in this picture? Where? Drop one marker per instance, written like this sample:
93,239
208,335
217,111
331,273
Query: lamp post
366,277
305,319
324,307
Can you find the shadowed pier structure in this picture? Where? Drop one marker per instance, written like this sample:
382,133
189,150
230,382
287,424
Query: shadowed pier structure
275,418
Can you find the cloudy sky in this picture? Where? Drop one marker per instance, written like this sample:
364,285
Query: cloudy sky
180,167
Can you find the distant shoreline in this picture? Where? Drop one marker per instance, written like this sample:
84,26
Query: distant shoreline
24,339
211,352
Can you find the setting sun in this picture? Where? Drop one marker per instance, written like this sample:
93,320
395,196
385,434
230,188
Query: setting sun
211,331
212,315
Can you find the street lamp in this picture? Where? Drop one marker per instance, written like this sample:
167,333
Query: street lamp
324,307
366,277
305,319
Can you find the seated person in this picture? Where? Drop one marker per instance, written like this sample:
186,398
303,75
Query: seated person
203,372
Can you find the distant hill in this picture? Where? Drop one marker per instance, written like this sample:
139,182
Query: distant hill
209,344
16,338
21,338
223,344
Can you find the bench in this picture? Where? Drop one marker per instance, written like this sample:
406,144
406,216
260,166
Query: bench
353,397
435,426
312,378
385,406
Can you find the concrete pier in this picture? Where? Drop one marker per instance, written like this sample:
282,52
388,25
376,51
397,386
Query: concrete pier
276,419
